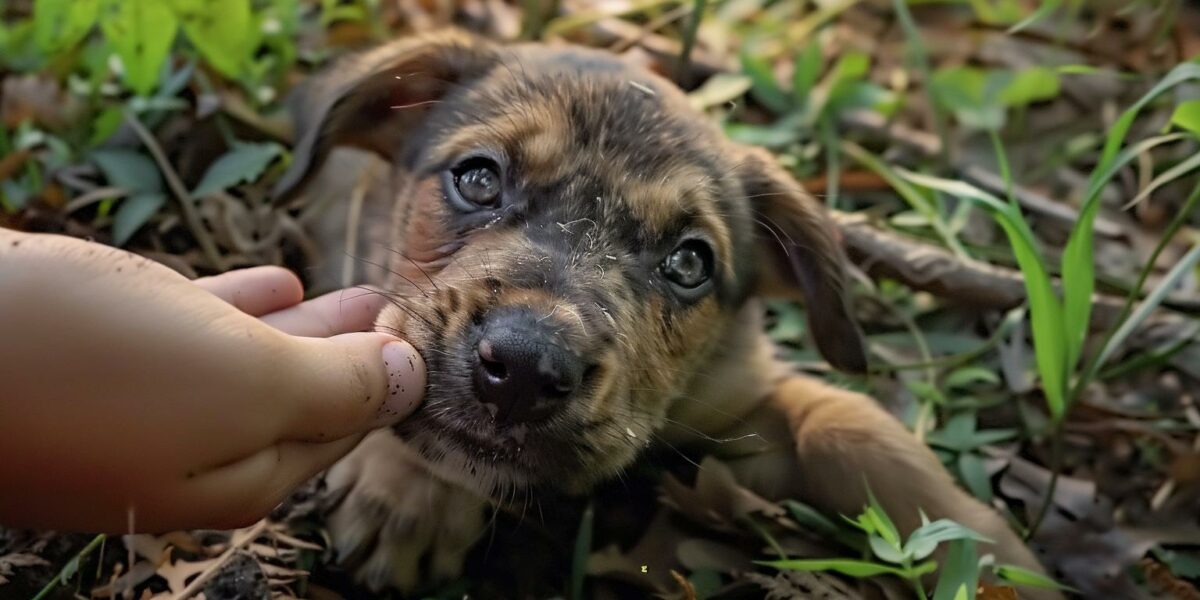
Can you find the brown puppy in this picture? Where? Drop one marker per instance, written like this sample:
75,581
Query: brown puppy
579,255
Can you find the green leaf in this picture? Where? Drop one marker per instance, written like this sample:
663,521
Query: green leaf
105,124
863,94
134,212
1021,576
850,67
719,89
777,135
966,377
845,566
1181,564
956,434
959,576
1031,85
583,548
764,87
974,476
963,91
223,31
128,169
60,24
141,32
1078,268
885,551
812,520
880,521
926,538
808,70
789,322
13,195
244,163
1187,116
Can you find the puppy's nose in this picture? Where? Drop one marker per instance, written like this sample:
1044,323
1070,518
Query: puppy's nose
522,369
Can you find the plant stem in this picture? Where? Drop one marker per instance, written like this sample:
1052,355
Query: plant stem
71,567
920,58
1056,458
689,39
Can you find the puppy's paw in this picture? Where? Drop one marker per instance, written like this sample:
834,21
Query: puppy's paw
394,512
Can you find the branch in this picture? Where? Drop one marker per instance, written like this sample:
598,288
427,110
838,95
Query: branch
925,267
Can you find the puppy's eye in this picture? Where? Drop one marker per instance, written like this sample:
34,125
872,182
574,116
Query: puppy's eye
689,265
477,182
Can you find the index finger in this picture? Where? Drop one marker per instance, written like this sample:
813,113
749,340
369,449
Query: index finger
255,291
344,311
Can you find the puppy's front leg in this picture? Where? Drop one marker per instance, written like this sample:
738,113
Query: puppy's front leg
843,438
396,512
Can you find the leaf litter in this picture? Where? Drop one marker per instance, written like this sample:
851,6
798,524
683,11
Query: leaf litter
1123,522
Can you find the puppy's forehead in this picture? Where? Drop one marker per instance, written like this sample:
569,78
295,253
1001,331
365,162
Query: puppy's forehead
588,124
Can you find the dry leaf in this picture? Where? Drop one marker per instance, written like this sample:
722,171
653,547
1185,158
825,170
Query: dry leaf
995,592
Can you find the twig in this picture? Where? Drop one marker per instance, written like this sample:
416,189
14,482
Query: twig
234,546
186,205
610,31
926,267
95,195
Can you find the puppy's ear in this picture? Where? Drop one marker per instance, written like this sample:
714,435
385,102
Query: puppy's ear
802,258
371,99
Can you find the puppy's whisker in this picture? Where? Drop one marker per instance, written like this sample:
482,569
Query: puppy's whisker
416,265
389,270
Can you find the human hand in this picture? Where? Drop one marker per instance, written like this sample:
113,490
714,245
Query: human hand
131,397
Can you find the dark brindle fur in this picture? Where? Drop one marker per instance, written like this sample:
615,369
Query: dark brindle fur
605,171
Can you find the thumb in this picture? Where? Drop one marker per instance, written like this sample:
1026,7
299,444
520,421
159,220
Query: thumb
349,384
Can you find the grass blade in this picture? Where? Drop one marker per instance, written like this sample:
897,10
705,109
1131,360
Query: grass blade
583,548
1043,11
845,566
961,570
1152,301
1045,310
914,197
1175,172
1078,266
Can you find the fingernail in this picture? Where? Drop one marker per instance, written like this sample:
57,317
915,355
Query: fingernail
406,382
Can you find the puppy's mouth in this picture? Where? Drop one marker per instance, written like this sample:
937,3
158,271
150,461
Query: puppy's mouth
501,409
465,444
500,446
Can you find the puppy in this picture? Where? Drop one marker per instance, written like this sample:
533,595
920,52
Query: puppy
580,257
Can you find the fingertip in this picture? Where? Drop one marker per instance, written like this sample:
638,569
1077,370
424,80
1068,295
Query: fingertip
406,382
349,383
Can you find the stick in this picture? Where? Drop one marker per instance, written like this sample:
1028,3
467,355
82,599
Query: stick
187,207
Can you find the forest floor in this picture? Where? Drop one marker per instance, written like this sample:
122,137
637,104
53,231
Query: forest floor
925,127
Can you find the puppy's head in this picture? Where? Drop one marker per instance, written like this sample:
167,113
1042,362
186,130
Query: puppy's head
571,242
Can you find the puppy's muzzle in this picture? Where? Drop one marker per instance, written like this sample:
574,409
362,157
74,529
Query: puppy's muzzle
523,371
